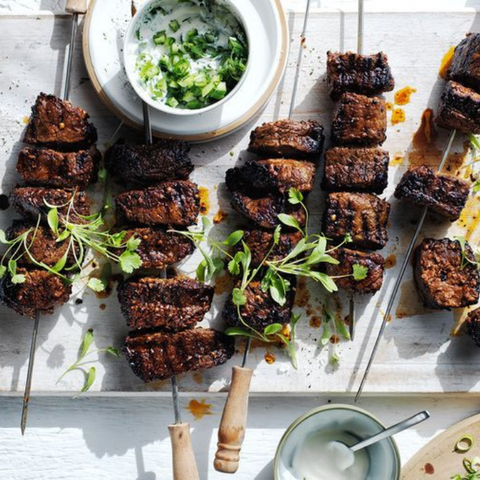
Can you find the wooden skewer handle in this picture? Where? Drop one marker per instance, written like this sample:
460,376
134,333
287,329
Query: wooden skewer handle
234,421
183,458
76,6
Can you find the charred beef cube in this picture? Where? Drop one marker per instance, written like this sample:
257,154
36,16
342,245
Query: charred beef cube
159,248
261,209
288,139
30,202
365,74
168,203
465,66
473,325
147,164
443,194
41,291
41,243
57,124
356,169
173,304
445,278
260,242
359,121
279,175
260,310
158,356
46,167
364,216
459,109
347,259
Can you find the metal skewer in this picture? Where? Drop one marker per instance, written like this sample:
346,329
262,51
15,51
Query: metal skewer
398,281
351,311
234,419
75,7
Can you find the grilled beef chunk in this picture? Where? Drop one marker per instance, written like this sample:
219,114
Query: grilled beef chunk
356,169
362,215
459,109
465,67
359,121
146,164
473,325
347,259
443,194
46,167
173,304
30,202
260,310
365,74
444,279
279,175
261,209
41,291
158,248
260,241
42,244
57,124
158,356
288,139
168,203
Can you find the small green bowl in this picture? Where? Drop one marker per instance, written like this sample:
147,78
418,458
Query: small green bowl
346,419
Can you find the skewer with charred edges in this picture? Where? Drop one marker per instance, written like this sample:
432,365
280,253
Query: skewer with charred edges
458,110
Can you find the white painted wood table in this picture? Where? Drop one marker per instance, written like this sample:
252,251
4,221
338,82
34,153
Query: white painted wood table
107,437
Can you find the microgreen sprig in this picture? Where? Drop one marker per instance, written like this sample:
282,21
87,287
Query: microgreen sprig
81,363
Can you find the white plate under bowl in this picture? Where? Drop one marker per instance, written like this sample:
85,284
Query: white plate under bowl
103,37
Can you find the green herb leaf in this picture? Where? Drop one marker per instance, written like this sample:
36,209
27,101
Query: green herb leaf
273,329
201,271
238,297
234,238
238,331
102,174
18,279
476,186
52,218
278,289
360,272
60,263
3,238
63,236
3,270
90,379
276,234
234,267
133,243
295,196
96,284
86,342
325,280
325,338
113,351
129,261
289,221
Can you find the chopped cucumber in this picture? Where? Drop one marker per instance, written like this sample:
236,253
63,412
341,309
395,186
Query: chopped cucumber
220,91
172,102
174,25
160,38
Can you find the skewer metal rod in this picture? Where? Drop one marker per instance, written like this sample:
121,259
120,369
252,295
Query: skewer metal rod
299,60
28,385
401,273
248,343
360,28
71,48
31,358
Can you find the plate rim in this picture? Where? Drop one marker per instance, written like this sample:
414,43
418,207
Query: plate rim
200,137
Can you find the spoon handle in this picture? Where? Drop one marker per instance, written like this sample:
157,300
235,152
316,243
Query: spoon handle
399,427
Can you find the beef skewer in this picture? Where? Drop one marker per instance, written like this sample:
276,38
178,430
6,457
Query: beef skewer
398,281
231,431
75,7
183,457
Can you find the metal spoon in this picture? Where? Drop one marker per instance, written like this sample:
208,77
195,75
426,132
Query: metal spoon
345,455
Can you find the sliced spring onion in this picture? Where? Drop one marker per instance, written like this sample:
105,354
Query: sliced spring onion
464,444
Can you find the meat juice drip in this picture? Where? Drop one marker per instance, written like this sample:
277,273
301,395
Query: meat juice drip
199,408
446,62
402,96
390,261
204,200
398,116
270,358
424,151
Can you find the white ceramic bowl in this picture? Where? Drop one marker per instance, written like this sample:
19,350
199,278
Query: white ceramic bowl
346,419
129,60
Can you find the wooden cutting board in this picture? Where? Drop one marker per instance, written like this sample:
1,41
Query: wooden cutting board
438,459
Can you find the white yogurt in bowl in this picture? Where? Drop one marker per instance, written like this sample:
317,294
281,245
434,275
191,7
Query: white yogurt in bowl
308,449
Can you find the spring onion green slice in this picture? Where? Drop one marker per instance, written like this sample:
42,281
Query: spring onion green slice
464,444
